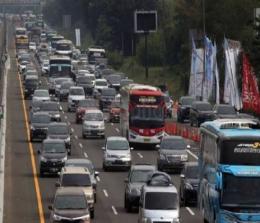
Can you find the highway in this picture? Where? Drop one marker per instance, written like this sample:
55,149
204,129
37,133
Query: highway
27,196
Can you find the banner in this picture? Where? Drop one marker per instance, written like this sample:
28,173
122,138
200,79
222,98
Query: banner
216,75
231,92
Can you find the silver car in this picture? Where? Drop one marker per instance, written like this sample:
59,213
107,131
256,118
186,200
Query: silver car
117,153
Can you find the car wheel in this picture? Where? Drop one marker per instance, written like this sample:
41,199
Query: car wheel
104,167
83,136
127,205
92,214
95,197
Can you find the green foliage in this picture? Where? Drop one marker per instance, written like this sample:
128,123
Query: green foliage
115,59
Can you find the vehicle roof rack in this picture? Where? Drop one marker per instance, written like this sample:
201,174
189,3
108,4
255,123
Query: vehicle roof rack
160,179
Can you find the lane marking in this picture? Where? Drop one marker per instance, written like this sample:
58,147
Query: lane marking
190,211
76,137
105,192
112,123
72,130
140,155
68,123
63,112
33,161
98,178
66,117
192,154
80,145
85,154
114,210
117,129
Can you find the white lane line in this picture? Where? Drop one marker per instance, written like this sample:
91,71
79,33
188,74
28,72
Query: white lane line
192,154
112,123
66,117
190,211
114,210
69,123
140,155
80,145
98,178
63,112
85,154
105,192
117,129
72,129
76,137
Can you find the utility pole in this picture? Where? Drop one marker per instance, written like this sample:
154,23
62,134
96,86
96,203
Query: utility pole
146,55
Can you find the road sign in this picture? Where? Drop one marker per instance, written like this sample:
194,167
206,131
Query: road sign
20,2
145,21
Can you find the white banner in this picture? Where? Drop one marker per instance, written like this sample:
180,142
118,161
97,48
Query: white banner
77,33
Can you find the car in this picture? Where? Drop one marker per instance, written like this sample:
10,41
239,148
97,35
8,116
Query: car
137,177
52,108
41,95
84,105
114,81
34,107
38,126
32,46
189,183
31,83
159,200
87,83
184,105
63,93
200,112
117,153
29,72
100,84
93,123
70,205
106,97
53,155
172,153
60,130
126,81
55,84
75,95
114,111
86,163
78,178
224,111
45,67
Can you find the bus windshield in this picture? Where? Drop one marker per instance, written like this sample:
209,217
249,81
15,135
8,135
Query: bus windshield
240,152
60,70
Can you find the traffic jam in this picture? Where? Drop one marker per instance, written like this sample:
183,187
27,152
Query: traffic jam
73,97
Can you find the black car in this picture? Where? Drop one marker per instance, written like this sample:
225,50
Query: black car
189,184
106,98
184,106
52,108
224,111
87,83
200,112
53,155
31,83
63,92
137,177
60,130
39,125
114,81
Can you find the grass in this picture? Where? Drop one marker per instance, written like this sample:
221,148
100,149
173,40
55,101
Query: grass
157,76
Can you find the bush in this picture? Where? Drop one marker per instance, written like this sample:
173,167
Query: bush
115,59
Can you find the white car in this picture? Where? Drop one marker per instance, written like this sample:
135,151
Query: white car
32,46
117,153
45,67
41,95
99,85
75,95
93,123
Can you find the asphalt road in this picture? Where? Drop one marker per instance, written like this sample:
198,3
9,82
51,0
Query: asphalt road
25,192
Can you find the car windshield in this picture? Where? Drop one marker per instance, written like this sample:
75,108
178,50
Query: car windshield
117,144
49,107
109,92
90,77
54,147
84,79
41,119
226,110
77,91
93,117
115,104
140,176
101,83
58,130
67,85
75,180
60,80
204,107
41,94
63,47
87,165
31,82
87,103
186,101
70,202
161,201
114,78
173,144
192,172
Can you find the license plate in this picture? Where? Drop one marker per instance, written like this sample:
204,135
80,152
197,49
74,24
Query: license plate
119,161
146,140
54,169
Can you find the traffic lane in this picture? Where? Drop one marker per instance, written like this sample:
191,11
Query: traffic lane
20,202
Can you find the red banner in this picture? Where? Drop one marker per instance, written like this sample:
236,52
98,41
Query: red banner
250,92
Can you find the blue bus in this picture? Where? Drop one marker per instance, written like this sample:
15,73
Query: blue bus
229,163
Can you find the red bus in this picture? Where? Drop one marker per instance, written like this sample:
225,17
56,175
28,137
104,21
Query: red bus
142,114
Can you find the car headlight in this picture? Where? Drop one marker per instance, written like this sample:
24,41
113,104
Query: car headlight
57,217
189,186
184,157
43,159
64,159
67,140
162,156
128,156
32,128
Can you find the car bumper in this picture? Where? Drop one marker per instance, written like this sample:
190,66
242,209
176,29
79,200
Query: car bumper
117,163
145,140
51,167
93,132
38,134
171,165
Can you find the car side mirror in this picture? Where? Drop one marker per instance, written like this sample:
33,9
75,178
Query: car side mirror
126,180
182,176
50,207
157,146
131,148
57,184
188,146
96,173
